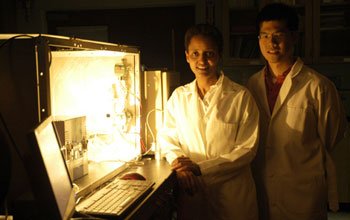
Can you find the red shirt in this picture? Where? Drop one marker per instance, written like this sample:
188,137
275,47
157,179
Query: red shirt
272,89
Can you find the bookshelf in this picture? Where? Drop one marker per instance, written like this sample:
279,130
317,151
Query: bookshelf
240,34
331,31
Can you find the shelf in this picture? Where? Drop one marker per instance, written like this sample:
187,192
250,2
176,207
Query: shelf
244,62
241,4
243,30
240,34
344,3
335,29
244,47
331,31
332,59
324,30
243,33
327,14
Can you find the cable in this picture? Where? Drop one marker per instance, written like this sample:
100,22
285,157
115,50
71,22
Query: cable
10,137
149,128
76,190
14,37
133,94
143,146
50,54
147,151
6,209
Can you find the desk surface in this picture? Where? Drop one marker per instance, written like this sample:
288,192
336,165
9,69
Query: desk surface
164,178
154,170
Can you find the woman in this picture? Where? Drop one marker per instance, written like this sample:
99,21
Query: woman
210,136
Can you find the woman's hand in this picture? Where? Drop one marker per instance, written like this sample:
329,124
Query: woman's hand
187,172
185,163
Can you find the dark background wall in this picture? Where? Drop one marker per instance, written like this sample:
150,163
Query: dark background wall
158,32
157,27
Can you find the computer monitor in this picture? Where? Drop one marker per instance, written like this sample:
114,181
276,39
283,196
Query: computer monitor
48,174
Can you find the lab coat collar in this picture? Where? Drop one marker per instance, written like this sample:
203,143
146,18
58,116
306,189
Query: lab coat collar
194,96
221,78
287,85
296,68
193,84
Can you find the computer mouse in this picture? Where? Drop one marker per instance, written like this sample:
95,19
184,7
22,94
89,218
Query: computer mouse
132,176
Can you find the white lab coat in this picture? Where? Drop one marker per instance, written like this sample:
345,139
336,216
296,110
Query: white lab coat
222,141
294,173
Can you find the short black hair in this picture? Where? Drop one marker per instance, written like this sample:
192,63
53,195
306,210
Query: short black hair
280,12
206,30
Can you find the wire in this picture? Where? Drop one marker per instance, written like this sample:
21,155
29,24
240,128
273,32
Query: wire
76,190
6,209
10,137
50,54
143,146
131,92
148,150
149,128
14,37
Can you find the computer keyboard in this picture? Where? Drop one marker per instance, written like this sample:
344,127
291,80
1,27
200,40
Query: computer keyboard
115,197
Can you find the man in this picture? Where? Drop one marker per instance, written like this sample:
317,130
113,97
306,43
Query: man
301,120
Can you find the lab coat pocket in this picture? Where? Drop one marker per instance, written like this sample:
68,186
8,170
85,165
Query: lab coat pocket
300,118
220,137
304,195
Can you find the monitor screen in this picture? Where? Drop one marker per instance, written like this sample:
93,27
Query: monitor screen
48,173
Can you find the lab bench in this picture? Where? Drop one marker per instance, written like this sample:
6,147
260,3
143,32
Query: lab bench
158,204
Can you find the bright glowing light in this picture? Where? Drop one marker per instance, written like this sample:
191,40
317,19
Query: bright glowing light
84,83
